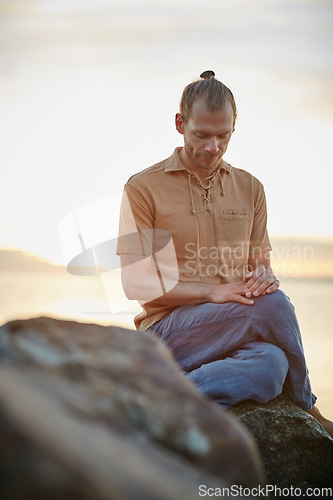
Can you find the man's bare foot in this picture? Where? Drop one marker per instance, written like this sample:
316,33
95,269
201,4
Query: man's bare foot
327,424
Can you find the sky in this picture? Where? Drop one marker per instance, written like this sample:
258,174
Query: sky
89,90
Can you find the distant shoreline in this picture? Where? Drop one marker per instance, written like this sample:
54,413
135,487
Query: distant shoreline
291,259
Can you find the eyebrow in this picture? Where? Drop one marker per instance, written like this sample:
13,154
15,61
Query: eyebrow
205,132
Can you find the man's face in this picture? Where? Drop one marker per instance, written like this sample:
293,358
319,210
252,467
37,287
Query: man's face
206,136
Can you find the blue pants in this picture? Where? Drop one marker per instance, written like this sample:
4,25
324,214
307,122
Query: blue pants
234,352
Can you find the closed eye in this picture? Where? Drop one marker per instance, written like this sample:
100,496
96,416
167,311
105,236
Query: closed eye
201,135
224,136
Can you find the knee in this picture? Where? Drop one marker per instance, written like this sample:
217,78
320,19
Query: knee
277,361
277,298
272,372
273,304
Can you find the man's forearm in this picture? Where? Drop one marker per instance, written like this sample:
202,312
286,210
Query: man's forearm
148,286
141,282
186,293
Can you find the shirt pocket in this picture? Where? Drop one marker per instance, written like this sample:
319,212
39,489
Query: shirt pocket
236,227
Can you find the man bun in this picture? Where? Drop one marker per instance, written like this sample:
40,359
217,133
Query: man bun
206,75
214,93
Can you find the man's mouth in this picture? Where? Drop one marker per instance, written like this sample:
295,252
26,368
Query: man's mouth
211,158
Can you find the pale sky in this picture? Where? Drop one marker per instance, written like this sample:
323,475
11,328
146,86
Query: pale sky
89,90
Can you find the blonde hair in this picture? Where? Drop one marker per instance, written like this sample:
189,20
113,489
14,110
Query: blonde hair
214,93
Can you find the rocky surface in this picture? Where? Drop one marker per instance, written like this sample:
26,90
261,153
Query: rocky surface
97,412
296,449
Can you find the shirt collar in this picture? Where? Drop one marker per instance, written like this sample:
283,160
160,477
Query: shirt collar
174,163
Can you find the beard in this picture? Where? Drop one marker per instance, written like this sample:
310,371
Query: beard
203,160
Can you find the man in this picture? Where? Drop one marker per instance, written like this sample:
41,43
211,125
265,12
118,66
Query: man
195,253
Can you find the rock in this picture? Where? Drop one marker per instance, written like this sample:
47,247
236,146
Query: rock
104,413
296,449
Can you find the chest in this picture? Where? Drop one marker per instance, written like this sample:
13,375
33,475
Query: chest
215,216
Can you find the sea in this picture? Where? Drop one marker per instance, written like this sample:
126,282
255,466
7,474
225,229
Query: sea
51,291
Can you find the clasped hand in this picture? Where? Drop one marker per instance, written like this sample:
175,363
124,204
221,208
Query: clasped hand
260,281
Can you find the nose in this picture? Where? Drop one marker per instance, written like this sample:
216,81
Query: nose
212,145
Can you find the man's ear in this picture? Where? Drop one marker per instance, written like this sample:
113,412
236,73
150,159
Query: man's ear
179,123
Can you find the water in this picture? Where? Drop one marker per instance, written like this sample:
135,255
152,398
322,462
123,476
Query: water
313,301
61,295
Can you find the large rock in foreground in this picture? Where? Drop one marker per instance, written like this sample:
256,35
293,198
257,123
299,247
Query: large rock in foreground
296,449
98,412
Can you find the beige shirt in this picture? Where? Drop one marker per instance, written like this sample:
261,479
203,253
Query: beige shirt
211,231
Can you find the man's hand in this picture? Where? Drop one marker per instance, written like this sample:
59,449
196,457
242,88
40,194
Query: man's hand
260,281
231,292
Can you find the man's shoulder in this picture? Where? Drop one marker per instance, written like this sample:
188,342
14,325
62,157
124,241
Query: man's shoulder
240,173
143,174
157,170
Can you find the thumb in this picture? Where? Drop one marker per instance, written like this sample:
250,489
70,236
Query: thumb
243,300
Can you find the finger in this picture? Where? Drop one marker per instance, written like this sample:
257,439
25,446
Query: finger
263,286
256,275
251,288
260,286
243,300
273,287
259,276
267,285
